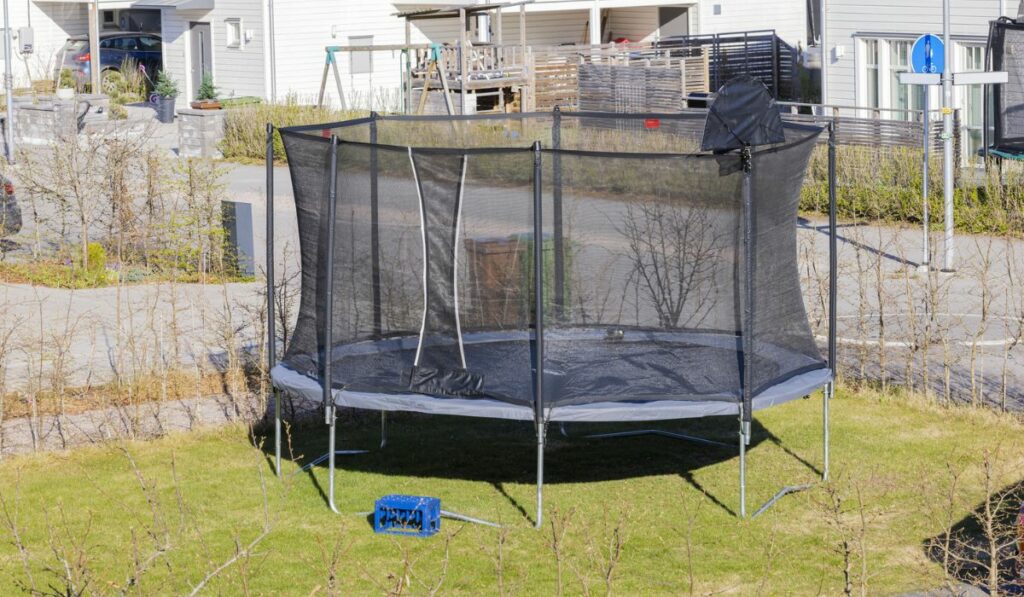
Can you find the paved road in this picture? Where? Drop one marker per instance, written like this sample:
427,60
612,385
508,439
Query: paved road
887,308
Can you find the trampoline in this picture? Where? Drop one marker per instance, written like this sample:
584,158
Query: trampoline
552,267
1003,130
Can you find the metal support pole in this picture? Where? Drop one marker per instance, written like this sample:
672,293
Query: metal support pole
8,85
271,319
746,406
747,332
557,222
743,465
829,391
926,250
374,229
947,138
538,289
833,263
325,356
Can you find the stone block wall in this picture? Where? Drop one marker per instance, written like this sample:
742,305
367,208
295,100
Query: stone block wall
44,119
200,133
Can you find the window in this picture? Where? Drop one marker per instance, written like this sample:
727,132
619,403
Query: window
903,97
972,58
361,62
150,44
233,33
871,69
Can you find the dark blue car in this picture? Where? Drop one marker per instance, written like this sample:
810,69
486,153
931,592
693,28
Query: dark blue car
115,47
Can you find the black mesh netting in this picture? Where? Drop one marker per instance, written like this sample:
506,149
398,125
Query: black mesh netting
644,276
1007,54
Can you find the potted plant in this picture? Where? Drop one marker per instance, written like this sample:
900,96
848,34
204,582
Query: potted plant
65,84
206,96
166,90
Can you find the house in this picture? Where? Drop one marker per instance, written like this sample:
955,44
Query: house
225,37
273,49
297,59
867,44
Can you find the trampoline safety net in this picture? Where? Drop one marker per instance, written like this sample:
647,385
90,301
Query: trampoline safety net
1006,53
657,282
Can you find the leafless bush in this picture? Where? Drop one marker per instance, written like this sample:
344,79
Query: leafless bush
845,509
981,549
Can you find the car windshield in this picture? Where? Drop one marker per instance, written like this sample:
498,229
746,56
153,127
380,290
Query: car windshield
149,44
75,45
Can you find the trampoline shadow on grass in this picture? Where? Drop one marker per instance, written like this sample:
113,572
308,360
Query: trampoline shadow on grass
500,453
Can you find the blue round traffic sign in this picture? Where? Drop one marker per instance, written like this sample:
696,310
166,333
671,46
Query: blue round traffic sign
928,54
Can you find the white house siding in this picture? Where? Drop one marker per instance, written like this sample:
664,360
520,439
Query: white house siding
846,21
635,24
52,24
237,72
787,17
174,30
305,27
547,28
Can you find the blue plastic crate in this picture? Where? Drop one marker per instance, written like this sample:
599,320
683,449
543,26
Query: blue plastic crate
407,515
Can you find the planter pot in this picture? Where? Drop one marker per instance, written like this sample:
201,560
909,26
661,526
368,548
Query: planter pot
65,93
205,105
165,109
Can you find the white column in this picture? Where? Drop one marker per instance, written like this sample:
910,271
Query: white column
94,45
595,22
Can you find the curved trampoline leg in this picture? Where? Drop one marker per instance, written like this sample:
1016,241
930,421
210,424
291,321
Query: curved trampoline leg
330,460
383,429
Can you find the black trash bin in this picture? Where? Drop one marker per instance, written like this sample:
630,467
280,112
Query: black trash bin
165,109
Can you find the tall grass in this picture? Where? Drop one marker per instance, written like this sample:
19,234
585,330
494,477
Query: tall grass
245,131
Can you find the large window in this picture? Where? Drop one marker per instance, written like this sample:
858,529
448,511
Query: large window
903,97
882,61
872,80
879,64
972,100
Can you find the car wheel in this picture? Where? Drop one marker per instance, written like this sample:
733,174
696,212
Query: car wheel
111,81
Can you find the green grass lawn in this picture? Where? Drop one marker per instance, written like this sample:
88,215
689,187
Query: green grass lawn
665,507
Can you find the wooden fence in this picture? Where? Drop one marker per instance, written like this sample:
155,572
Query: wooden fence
646,87
554,71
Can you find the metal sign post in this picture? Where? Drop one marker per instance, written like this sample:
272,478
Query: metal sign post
926,79
927,60
947,140
929,57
